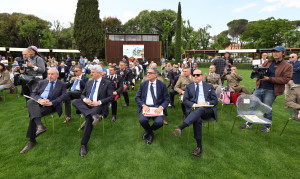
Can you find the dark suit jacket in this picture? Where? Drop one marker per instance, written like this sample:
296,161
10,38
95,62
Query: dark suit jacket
161,95
296,71
82,83
59,93
66,69
117,84
105,94
209,95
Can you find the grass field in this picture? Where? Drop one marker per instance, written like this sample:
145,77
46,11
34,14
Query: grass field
120,154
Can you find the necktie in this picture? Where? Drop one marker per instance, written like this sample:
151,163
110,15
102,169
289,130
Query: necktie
50,95
74,85
197,93
152,94
93,90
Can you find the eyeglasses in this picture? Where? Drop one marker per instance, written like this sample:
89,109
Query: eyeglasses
150,73
76,71
194,75
176,67
292,57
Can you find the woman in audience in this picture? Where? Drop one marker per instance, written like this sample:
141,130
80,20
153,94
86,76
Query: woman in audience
5,81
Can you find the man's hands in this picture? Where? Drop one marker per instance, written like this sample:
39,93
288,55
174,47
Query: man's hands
45,102
265,78
146,108
75,78
157,111
115,93
92,103
30,65
18,68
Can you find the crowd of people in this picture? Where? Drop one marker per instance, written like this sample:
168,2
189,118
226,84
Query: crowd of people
48,85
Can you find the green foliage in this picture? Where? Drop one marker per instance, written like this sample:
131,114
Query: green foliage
111,24
236,29
292,38
178,34
88,31
266,33
47,40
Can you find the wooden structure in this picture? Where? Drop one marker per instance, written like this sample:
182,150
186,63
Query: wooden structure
115,41
189,53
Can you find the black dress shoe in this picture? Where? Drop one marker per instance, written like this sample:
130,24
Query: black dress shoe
40,129
150,139
125,105
113,118
83,151
27,147
96,119
78,112
145,136
197,151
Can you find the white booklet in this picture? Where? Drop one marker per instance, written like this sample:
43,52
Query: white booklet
151,112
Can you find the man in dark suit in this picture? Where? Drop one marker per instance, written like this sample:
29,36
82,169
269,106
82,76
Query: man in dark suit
144,64
68,61
117,83
152,93
196,94
63,71
76,85
96,96
47,96
127,76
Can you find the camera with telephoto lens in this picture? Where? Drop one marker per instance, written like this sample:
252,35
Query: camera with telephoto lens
21,62
259,71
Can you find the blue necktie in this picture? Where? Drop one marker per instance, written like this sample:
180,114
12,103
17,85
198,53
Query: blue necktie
50,95
93,90
197,93
152,94
74,85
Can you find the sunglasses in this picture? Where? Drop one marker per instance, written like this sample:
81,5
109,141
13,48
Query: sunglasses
292,57
194,75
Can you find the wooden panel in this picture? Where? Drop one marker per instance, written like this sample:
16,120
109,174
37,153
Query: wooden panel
114,50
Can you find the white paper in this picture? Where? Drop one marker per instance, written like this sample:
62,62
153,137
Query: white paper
152,113
246,101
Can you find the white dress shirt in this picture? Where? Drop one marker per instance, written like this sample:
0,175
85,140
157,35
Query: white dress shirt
149,98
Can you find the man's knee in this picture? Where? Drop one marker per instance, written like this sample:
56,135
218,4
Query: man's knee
143,120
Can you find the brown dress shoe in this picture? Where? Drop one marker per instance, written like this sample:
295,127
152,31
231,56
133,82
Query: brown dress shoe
165,122
67,120
27,147
177,132
40,129
197,151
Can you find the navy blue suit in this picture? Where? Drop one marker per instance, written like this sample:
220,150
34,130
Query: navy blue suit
36,111
105,95
195,117
296,71
162,100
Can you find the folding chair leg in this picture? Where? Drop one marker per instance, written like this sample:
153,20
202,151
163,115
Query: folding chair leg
245,136
221,111
52,125
163,133
139,132
233,124
189,134
214,133
285,126
103,127
271,136
256,129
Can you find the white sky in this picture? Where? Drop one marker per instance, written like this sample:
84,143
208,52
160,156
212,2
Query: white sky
217,13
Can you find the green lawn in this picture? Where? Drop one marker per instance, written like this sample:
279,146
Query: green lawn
120,154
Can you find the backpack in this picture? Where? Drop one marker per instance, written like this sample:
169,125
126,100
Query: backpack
225,96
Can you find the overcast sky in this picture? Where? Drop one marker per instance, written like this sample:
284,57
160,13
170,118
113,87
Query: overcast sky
216,13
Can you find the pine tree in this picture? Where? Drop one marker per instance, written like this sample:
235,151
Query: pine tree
178,34
88,31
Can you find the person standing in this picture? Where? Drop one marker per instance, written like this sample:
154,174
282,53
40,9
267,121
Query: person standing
273,84
219,64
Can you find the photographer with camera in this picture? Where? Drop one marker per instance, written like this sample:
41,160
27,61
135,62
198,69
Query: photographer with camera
272,85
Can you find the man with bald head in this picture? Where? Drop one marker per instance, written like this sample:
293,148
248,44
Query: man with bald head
47,98
197,94
212,77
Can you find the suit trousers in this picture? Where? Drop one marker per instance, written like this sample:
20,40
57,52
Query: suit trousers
87,130
114,107
35,110
196,117
172,96
125,94
158,123
85,109
70,96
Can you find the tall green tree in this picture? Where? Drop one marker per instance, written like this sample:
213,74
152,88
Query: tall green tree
112,24
178,34
236,29
88,31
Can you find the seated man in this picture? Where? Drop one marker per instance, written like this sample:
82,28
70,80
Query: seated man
293,100
184,79
152,93
76,85
212,77
198,93
233,80
63,71
96,96
47,98
117,84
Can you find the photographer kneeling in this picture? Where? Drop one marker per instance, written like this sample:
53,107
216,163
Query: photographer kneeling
272,85
33,70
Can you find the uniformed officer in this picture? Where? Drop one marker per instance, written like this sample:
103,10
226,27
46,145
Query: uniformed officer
212,77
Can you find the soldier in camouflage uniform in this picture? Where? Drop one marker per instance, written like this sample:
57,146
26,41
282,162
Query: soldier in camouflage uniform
212,77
